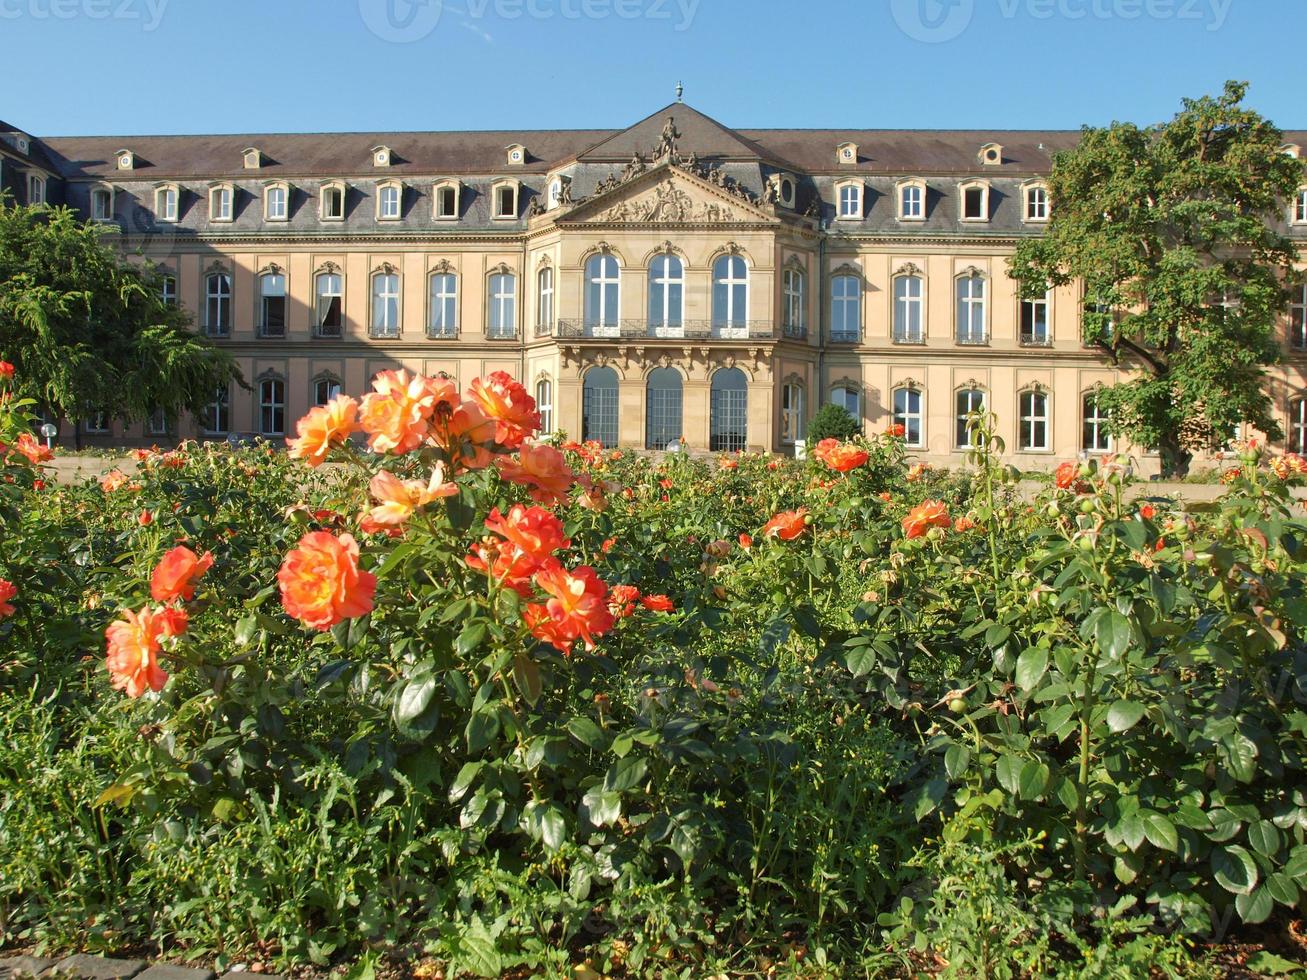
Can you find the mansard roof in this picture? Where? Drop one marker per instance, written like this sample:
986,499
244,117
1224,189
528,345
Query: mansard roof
697,132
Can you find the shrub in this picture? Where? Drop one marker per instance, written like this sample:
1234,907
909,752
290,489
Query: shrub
832,422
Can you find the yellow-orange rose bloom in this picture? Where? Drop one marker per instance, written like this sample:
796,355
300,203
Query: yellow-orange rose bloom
927,514
542,468
133,645
325,426
321,583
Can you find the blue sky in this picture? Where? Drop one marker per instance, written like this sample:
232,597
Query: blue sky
186,66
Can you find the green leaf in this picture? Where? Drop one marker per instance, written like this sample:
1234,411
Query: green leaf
1161,832
861,660
545,823
1124,715
1268,964
1234,869
956,760
1112,631
601,807
1032,780
1008,771
415,697
625,774
1264,838
1032,665
1255,907
526,675
470,638
589,734
482,728
1282,889
463,781
929,797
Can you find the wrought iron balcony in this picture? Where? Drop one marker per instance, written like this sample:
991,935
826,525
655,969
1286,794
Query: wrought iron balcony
973,340
909,337
643,330
1036,340
844,337
795,331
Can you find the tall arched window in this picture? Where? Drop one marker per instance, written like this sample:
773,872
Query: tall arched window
794,324
666,295
168,289
272,407
730,297
662,411
971,310
216,420
908,309
969,400
1095,437
217,304
325,389
545,405
792,427
846,309
545,302
602,296
599,406
272,304
728,411
1298,426
503,306
1032,411
907,413
1298,318
328,290
385,304
443,302
849,398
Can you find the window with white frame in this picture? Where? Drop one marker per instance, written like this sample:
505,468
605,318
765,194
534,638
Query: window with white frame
975,202
1037,203
1032,410
555,194
545,405
329,298
792,283
220,203
390,198
503,306
730,296
545,301
666,295
907,413
385,304
1034,322
446,203
912,202
506,200
97,423
1298,318
909,319
272,407
35,189
846,309
325,389
276,202
850,201
792,428
443,303
216,420
168,289
969,401
332,202
1095,436
602,295
157,423
217,304
849,398
165,203
102,204
272,304
1298,426
1300,208
971,316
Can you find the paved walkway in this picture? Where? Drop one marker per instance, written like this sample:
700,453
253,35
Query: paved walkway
83,967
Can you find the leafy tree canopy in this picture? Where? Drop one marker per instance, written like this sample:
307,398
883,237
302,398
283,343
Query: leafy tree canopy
832,422
88,331
1176,232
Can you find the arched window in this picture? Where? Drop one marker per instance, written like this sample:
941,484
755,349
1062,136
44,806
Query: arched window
730,296
325,389
849,398
165,203
969,400
1095,437
276,202
216,420
446,200
220,202
385,304
331,202
328,288
666,295
503,306
545,405
792,421
1032,411
390,201
1037,203
272,407
971,309
912,201
555,194
599,406
908,309
662,408
907,413
846,309
728,411
1298,426
974,201
545,302
1298,318
168,289
602,296
443,303
272,304
217,304
102,204
792,286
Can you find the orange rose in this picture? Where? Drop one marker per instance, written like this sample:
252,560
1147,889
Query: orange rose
466,435
113,480
7,591
534,533
963,524
916,471
507,402
786,525
842,459
324,427
175,576
133,644
657,603
896,430
1064,477
542,468
729,464
928,514
33,450
321,583
397,413
820,450
6,369
622,600
746,541
400,499
578,606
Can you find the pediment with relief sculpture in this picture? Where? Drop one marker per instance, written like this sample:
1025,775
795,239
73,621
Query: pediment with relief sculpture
669,195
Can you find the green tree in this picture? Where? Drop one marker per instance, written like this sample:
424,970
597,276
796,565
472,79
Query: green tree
1175,230
832,422
88,331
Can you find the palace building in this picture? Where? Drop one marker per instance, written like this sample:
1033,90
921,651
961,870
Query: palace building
677,279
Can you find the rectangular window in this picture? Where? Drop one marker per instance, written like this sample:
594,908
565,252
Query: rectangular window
1095,437
217,304
1033,409
1298,318
333,203
1036,204
846,310
503,307
444,306
908,310
385,305
388,202
506,202
793,288
973,206
220,199
1298,426
35,189
272,305
545,406
272,407
216,420
275,204
165,204
969,400
97,423
907,413
971,310
1300,208
545,303
912,205
791,413
446,202
330,296
102,204
850,201
157,424
324,390
168,290
1034,322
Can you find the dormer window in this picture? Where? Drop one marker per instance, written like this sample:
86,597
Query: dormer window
35,189
974,201
381,156
846,154
786,190
1036,196
390,200
276,202
912,200
331,201
505,199
991,154
445,203
221,197
166,198
102,204
251,158
516,154
125,159
849,198
1291,150
554,197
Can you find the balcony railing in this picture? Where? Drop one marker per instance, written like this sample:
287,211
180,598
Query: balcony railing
845,337
972,340
643,330
795,331
1036,340
909,337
